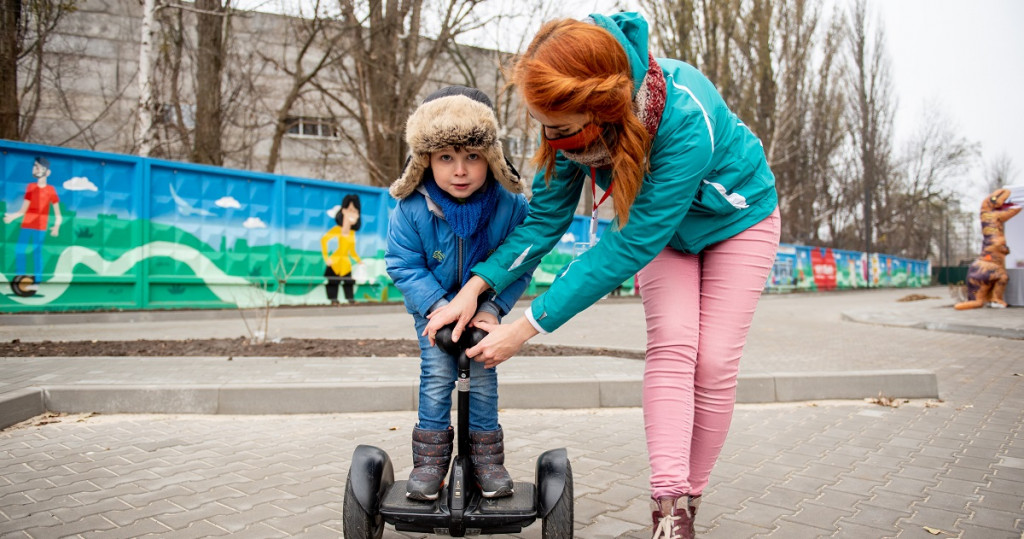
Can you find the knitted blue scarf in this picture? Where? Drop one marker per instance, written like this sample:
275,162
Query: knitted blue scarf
468,219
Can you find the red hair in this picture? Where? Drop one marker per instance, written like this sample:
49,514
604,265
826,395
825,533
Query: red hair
572,67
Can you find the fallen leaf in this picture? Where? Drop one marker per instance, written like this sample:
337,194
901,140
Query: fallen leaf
933,531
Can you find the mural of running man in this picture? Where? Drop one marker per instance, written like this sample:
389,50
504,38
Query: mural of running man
36,212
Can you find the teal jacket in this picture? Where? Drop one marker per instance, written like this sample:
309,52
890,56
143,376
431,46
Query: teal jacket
708,181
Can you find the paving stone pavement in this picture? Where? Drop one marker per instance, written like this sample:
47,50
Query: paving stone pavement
850,469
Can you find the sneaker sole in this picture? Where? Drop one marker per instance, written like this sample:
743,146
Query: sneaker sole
498,493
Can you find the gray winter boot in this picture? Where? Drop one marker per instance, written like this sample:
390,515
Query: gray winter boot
431,454
487,452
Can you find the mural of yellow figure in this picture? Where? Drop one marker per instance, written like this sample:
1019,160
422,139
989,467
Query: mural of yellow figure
339,262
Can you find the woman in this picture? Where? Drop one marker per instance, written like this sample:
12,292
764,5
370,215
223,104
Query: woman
339,262
696,217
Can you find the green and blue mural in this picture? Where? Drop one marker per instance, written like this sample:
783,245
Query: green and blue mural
125,232
98,231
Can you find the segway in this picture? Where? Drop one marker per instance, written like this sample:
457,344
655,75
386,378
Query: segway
19,285
373,497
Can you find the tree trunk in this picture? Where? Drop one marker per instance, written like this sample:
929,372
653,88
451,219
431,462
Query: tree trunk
147,104
209,67
10,19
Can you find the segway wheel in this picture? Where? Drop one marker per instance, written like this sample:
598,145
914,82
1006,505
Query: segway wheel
356,522
558,523
19,286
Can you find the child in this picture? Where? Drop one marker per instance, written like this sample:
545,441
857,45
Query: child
458,200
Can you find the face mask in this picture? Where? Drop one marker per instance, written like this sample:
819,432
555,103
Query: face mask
578,140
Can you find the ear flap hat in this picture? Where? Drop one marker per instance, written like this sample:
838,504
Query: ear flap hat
453,116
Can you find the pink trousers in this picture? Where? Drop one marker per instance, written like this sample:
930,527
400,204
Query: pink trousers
698,309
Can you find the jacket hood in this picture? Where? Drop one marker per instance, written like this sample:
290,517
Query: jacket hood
631,31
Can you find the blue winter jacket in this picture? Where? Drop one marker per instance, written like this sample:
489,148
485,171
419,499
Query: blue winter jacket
708,181
425,258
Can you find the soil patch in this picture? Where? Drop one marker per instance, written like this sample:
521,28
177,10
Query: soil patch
241,347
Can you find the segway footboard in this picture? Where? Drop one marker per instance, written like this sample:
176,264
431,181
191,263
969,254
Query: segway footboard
482,515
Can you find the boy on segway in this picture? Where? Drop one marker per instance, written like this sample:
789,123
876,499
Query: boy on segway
459,197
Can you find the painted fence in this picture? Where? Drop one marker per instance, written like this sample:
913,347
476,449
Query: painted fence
140,233
806,268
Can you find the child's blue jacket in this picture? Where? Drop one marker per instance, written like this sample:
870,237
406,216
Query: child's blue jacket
424,256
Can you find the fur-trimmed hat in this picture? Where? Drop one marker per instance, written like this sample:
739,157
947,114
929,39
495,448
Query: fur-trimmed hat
453,116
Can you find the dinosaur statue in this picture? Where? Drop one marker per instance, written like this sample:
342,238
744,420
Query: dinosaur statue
986,277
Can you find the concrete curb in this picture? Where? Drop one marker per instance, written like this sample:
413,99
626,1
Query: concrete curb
251,399
20,405
886,319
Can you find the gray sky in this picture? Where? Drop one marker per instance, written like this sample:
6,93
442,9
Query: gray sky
966,57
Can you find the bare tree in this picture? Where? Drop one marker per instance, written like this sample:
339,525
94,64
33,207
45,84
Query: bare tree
212,25
757,81
317,40
390,58
703,33
808,132
184,97
25,28
674,28
999,172
871,113
932,169
10,32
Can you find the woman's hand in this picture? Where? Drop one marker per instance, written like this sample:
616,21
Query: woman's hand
460,310
502,341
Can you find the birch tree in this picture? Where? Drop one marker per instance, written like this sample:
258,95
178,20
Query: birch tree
147,98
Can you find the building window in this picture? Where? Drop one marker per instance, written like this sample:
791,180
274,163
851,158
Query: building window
168,115
307,126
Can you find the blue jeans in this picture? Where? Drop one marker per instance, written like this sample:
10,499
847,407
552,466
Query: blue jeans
438,371
33,237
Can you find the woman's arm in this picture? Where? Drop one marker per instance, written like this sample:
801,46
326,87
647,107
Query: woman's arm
551,212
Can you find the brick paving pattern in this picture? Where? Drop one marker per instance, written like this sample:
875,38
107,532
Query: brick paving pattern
849,469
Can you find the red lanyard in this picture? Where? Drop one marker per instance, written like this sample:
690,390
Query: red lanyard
597,204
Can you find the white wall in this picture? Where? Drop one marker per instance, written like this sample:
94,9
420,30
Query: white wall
1015,230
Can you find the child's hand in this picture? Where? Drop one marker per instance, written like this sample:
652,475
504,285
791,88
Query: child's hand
487,318
460,310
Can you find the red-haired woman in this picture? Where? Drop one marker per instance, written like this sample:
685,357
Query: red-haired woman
696,218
